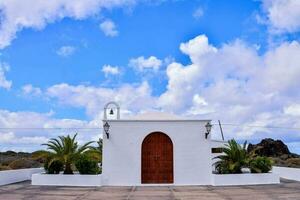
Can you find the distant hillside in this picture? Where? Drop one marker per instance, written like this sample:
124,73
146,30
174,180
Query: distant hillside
17,160
276,150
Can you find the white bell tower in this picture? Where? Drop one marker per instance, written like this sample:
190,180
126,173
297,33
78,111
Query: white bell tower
111,106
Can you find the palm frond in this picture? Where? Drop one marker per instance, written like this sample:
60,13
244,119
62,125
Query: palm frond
234,158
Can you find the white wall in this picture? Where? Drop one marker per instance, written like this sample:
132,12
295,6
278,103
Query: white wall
14,176
287,172
244,179
218,143
66,180
122,151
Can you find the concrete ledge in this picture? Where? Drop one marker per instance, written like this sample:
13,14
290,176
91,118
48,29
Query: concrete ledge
66,180
244,179
18,175
287,172
96,180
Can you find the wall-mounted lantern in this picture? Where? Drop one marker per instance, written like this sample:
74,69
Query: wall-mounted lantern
208,127
106,129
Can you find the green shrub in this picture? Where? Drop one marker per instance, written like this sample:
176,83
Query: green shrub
46,164
260,165
40,156
53,166
222,168
86,165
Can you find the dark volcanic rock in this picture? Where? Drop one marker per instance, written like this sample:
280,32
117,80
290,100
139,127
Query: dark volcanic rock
277,151
271,148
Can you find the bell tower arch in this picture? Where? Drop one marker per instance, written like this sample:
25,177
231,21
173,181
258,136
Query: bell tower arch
111,106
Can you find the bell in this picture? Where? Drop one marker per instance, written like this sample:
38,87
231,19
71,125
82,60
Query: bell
111,112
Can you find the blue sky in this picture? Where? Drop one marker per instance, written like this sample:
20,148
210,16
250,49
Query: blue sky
235,61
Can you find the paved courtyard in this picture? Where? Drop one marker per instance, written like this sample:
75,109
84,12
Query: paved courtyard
25,191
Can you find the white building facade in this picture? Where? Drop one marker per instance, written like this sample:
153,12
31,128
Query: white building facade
159,149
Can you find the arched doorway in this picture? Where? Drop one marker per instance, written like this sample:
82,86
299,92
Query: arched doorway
157,158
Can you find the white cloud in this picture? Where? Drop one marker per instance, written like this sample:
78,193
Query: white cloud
11,138
33,120
7,137
198,13
197,47
110,70
109,28
283,15
200,106
30,90
132,98
141,63
30,129
293,110
199,100
237,85
66,51
4,83
283,67
17,15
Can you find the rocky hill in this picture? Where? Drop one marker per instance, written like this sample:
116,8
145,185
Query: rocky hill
17,160
277,150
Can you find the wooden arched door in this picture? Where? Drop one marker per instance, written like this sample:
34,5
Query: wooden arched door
157,159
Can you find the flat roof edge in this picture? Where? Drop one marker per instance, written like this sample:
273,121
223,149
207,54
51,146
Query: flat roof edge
157,120
219,141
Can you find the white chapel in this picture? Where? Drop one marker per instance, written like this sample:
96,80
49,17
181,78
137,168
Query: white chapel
156,148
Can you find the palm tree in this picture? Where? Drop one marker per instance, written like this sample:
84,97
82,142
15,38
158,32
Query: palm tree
66,150
99,146
235,157
96,152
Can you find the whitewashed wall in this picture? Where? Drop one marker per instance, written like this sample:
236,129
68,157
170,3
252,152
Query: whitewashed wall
287,172
122,151
14,176
244,179
66,180
217,143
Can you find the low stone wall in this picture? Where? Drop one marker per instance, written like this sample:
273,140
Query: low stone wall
288,172
244,179
14,176
66,180
96,180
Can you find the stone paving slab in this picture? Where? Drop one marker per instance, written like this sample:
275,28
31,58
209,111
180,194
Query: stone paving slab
25,191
